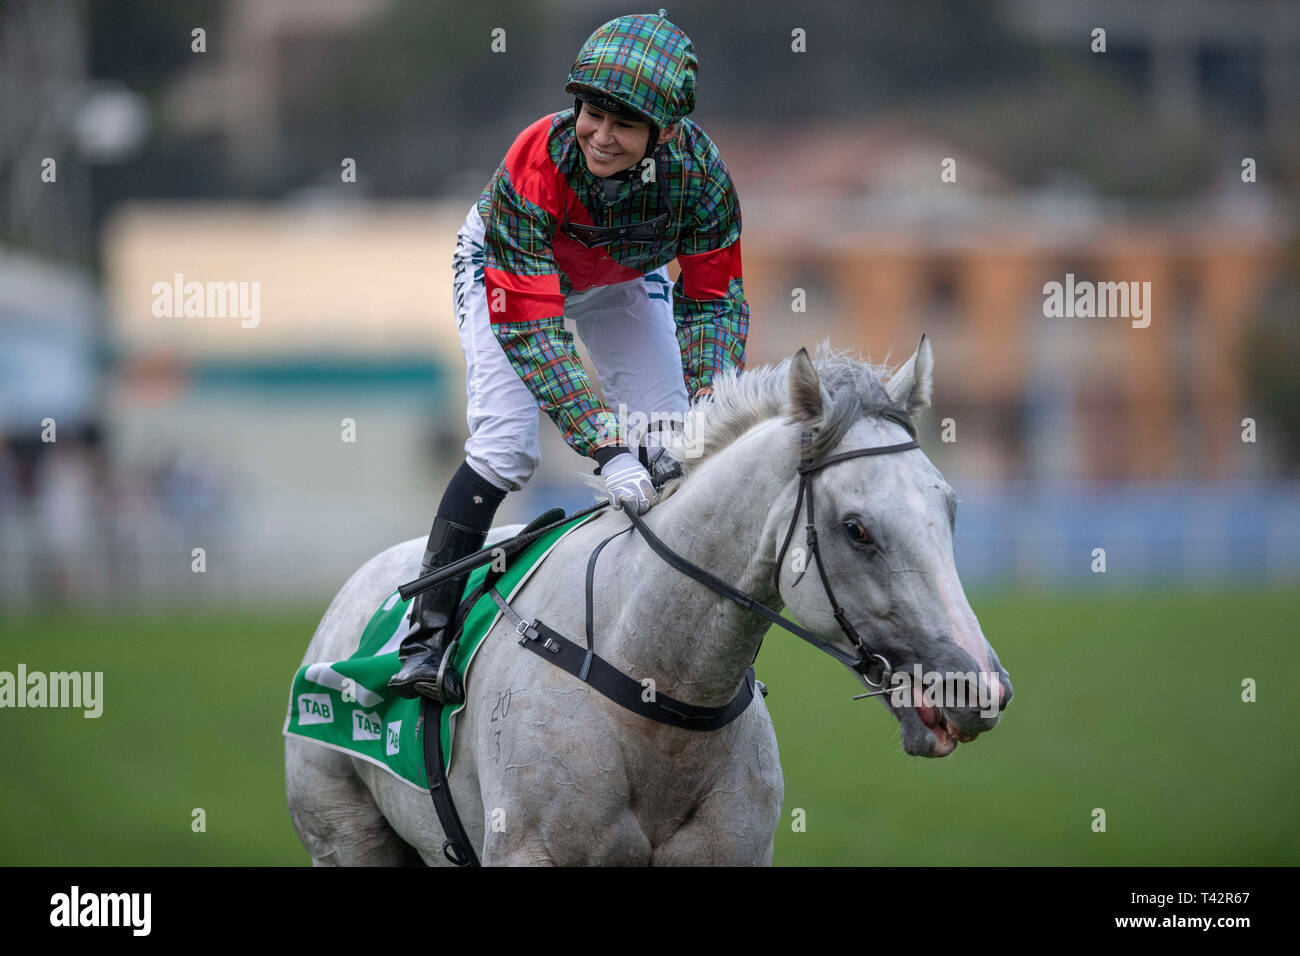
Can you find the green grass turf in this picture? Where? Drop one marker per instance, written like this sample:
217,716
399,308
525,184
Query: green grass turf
1127,702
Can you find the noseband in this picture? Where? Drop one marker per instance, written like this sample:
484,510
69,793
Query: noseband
867,659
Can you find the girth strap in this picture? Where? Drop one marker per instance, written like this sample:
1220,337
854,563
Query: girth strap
457,848
605,678
591,594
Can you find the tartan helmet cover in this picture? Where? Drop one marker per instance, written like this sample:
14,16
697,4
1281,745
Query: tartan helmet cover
641,63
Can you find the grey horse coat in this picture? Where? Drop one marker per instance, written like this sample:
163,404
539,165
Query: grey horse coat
549,772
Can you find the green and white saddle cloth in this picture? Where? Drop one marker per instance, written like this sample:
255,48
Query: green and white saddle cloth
346,705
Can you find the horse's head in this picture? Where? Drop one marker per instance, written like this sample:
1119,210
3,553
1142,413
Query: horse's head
884,526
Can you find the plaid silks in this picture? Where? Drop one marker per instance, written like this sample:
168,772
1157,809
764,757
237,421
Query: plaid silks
643,61
710,340
529,268
543,353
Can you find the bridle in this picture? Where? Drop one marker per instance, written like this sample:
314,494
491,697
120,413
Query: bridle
864,659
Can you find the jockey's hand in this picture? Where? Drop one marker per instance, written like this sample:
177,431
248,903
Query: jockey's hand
628,483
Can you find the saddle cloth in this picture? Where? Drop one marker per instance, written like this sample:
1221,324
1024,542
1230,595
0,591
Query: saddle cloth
346,705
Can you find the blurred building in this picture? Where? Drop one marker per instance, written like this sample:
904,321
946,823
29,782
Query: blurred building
1058,421
52,503
316,404
883,252
288,444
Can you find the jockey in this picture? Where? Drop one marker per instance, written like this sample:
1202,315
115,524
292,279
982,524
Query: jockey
581,220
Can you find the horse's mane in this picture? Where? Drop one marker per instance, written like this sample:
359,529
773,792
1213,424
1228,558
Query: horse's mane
852,389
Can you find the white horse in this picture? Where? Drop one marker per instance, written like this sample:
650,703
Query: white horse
566,776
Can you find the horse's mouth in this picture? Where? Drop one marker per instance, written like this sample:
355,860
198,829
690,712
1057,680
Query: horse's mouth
940,723
927,731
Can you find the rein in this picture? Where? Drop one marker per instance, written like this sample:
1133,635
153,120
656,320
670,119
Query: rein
865,659
736,595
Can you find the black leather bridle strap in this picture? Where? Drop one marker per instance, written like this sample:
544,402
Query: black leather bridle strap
861,662
735,594
836,608
794,520
806,470
859,453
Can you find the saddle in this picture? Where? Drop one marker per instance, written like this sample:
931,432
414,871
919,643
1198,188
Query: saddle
511,548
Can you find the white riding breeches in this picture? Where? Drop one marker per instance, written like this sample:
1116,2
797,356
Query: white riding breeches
628,330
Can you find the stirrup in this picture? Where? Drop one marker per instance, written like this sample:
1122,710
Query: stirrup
439,689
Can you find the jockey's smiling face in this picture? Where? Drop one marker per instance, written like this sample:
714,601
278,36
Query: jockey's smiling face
611,144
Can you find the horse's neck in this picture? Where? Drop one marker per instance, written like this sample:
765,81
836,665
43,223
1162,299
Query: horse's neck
696,644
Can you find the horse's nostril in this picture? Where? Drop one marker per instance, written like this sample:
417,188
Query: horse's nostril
1006,693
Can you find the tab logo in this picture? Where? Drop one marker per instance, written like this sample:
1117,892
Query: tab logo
365,726
394,740
315,709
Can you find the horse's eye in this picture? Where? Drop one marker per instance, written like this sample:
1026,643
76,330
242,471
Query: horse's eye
857,532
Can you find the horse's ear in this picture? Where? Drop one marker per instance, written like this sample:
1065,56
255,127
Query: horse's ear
913,383
805,389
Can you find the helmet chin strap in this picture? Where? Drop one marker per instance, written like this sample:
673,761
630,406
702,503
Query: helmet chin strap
652,143
611,187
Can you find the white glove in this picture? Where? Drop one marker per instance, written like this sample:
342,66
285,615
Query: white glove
628,482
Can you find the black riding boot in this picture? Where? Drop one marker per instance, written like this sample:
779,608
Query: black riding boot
424,647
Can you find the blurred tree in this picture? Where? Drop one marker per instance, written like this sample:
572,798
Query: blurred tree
418,92
417,96
1271,353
